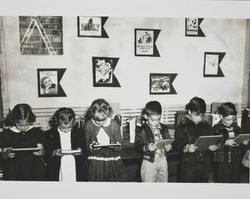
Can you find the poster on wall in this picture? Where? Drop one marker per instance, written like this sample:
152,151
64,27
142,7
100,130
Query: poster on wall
41,35
91,27
49,82
103,72
212,62
192,27
162,83
145,42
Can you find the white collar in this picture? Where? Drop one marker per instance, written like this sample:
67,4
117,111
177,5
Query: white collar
62,132
107,123
14,129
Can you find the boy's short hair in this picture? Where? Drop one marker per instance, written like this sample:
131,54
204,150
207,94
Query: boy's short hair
227,109
153,108
197,105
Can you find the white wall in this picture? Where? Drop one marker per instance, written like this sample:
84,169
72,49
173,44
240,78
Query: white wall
178,54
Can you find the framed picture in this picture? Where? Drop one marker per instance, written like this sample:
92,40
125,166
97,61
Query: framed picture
145,42
192,27
91,27
103,72
161,83
41,35
212,64
48,82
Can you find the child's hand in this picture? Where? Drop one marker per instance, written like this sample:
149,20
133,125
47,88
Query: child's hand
213,147
192,148
151,147
168,147
6,153
78,153
117,148
245,142
40,152
92,148
230,142
57,153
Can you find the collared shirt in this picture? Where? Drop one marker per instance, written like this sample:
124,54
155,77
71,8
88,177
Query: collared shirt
67,169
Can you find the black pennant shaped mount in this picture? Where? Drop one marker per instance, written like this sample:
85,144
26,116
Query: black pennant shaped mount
145,42
192,27
103,72
162,83
49,82
212,62
91,27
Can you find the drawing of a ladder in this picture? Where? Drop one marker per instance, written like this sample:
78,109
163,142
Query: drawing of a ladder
36,22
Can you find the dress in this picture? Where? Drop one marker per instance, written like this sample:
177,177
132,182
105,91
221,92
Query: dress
53,142
227,159
25,165
104,164
196,166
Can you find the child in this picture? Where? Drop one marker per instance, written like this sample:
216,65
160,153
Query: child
104,163
228,157
65,136
154,165
22,165
194,163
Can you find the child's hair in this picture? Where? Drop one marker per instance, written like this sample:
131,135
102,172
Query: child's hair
64,115
101,106
197,105
20,112
227,109
153,108
42,83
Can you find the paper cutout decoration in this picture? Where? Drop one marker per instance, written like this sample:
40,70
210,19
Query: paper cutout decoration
145,42
212,62
192,27
162,83
103,72
91,27
49,82
41,35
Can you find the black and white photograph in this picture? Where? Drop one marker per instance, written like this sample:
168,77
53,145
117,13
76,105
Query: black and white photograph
192,27
160,84
144,42
156,108
89,26
48,82
212,62
41,35
103,72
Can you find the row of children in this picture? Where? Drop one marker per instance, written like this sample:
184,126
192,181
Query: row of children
222,160
67,153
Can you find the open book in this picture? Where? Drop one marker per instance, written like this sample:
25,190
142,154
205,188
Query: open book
70,152
203,142
25,149
105,145
242,137
162,143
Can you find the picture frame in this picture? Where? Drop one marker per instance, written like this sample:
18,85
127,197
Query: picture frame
192,27
48,82
161,83
144,42
103,72
212,64
91,27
